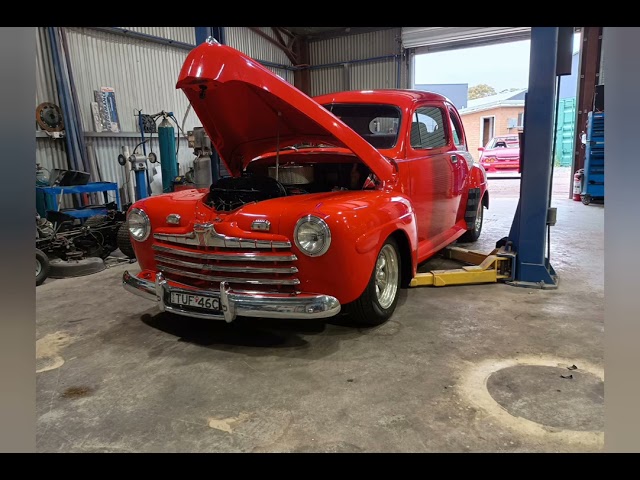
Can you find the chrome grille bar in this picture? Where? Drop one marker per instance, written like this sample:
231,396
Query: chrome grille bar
214,278
224,268
230,256
212,239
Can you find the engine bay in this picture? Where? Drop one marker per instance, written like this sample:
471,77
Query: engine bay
263,182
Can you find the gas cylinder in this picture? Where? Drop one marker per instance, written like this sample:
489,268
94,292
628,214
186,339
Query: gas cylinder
168,160
577,184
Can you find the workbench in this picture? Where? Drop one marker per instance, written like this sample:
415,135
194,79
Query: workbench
51,197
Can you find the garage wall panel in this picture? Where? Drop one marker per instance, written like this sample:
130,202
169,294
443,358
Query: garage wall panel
143,75
327,80
46,90
354,47
179,34
51,153
253,45
362,52
369,76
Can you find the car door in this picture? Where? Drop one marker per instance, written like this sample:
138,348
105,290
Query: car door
460,163
432,171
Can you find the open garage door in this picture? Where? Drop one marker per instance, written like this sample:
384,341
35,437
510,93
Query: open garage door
431,39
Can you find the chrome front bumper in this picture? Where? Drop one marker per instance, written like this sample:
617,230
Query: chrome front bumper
304,306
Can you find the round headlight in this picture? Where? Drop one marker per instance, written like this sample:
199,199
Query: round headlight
139,224
312,236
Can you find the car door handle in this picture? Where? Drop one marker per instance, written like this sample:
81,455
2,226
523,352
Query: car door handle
454,159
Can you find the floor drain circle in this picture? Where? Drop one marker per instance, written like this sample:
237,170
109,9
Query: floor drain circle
522,394
541,394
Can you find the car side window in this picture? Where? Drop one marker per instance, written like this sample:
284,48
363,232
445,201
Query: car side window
427,128
456,128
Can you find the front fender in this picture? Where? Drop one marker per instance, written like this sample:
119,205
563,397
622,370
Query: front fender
360,222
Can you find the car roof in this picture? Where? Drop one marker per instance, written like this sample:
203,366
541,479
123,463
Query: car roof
399,97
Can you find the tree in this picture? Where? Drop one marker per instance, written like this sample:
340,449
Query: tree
480,91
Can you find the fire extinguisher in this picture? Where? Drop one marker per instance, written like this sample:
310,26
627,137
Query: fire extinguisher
577,184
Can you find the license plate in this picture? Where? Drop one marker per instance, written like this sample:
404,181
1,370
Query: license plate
195,301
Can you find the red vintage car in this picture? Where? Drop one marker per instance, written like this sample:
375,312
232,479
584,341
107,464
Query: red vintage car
501,153
332,203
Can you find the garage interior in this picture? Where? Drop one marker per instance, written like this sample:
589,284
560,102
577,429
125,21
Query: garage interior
467,368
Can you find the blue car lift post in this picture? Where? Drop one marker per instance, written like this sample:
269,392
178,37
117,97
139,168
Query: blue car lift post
528,236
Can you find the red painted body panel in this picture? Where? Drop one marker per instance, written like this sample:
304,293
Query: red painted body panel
422,193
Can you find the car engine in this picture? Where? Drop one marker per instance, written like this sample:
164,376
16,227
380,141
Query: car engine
258,184
230,193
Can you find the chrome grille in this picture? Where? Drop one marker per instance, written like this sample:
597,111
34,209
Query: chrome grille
207,259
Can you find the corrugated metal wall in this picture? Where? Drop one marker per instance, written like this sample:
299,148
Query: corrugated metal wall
179,34
46,90
381,73
143,75
253,45
367,76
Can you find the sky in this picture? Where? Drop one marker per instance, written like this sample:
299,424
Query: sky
501,66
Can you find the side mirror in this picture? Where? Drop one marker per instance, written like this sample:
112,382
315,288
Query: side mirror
481,149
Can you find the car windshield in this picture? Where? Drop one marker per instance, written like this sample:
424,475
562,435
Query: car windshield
377,124
503,142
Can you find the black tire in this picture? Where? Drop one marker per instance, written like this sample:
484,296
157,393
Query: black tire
42,267
473,235
95,221
124,241
367,310
586,199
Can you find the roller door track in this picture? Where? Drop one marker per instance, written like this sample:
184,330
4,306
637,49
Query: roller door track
429,39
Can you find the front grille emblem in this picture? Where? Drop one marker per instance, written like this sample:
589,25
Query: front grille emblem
202,232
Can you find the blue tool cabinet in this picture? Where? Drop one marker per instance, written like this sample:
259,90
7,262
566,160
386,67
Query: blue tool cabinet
593,182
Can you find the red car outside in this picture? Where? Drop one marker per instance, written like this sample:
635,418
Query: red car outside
331,204
501,153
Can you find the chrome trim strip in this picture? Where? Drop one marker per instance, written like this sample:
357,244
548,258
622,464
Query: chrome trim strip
224,268
302,306
206,236
231,256
213,278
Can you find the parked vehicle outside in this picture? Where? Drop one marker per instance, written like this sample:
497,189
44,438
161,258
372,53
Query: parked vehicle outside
502,153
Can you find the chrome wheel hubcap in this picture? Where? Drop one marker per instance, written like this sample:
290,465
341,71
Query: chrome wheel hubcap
386,276
38,267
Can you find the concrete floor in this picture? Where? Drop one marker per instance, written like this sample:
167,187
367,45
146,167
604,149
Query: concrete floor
115,375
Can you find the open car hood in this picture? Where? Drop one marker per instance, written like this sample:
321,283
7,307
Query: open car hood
247,110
